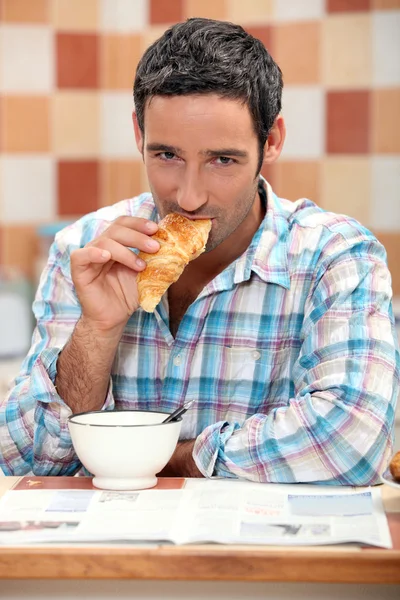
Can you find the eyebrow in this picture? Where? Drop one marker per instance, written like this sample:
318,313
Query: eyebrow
211,153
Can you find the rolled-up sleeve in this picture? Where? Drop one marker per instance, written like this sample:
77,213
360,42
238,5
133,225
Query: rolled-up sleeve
338,427
34,435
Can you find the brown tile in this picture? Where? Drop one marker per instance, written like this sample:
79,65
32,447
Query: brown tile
19,247
263,33
385,4
75,15
347,5
26,126
297,51
348,122
166,12
120,180
299,179
211,9
78,187
121,54
25,11
386,121
77,60
391,241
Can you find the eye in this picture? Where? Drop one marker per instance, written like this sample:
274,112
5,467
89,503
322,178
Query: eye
166,155
224,160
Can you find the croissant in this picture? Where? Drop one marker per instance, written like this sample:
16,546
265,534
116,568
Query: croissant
394,466
181,240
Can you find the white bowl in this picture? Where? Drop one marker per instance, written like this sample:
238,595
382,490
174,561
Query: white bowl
124,449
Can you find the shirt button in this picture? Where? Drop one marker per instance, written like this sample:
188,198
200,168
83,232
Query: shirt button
178,360
256,354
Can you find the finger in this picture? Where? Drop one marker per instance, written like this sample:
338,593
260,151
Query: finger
137,224
118,253
131,238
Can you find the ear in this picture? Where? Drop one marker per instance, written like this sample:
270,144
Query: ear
138,133
276,139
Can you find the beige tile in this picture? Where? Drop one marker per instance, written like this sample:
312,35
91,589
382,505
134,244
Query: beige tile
120,180
75,15
347,51
249,11
297,51
121,54
346,187
76,124
386,121
299,179
385,4
151,34
211,9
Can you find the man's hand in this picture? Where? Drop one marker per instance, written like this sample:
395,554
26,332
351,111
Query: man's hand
181,463
104,273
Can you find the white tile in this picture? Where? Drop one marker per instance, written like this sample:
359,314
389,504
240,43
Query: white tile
117,136
385,214
304,113
298,10
124,15
386,47
27,189
26,59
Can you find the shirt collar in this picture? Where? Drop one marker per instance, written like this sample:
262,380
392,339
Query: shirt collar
267,254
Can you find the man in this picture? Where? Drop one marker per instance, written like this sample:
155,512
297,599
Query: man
282,330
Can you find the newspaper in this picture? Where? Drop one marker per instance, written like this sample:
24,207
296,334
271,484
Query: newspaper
204,511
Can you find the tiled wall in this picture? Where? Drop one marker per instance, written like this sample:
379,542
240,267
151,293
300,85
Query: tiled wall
66,72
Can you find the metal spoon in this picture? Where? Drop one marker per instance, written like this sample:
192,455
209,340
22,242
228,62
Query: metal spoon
178,412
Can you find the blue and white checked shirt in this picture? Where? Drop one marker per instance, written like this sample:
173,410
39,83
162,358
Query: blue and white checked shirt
290,353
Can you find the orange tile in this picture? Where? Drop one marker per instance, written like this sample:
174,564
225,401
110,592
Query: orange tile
385,4
78,187
297,51
348,5
391,241
73,15
263,33
26,125
121,54
346,188
120,180
166,12
270,174
385,121
77,60
26,11
348,122
299,179
210,9
19,246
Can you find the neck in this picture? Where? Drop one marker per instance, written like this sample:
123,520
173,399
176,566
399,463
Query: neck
209,264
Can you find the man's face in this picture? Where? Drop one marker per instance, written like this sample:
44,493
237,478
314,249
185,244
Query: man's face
201,157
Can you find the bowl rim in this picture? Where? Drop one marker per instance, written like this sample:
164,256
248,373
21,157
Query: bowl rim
119,410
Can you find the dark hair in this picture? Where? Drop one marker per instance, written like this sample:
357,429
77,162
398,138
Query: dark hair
203,56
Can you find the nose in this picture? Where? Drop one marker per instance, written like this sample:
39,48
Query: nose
191,194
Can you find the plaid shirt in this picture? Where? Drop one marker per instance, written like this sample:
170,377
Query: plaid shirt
290,353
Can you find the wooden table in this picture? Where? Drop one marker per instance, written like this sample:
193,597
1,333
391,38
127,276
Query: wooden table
335,564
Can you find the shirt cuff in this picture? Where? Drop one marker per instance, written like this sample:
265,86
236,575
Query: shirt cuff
209,449
43,378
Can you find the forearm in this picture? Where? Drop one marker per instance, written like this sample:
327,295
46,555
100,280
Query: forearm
84,367
181,463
